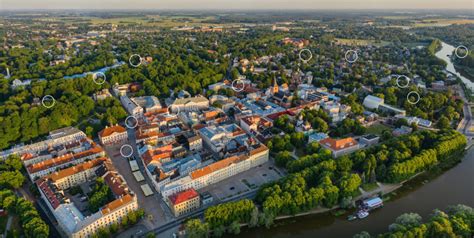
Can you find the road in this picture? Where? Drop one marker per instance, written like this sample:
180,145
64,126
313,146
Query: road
197,213
467,120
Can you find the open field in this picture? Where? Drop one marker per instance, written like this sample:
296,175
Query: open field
360,42
145,20
442,22
377,129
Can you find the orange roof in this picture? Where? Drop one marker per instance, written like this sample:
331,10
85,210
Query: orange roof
116,183
183,196
216,166
110,130
261,148
339,144
62,159
76,169
157,154
111,206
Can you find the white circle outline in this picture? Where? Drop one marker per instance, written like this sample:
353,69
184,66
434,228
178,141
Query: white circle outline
235,88
310,55
398,81
456,51
351,61
417,94
48,96
94,77
134,126
135,65
131,151
176,114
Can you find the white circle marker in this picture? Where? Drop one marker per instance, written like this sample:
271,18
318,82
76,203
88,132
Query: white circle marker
99,78
463,48
140,60
124,149
417,97
131,125
351,56
48,101
398,81
305,60
236,83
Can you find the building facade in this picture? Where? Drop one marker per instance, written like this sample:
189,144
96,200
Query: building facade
184,202
112,135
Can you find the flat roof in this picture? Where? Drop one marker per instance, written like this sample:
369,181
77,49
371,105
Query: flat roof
146,190
138,176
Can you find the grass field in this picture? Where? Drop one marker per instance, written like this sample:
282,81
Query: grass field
377,129
442,22
360,42
369,186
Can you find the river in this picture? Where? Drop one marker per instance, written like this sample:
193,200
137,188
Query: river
455,186
445,54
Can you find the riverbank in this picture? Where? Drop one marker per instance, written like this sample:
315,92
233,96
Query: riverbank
445,54
415,195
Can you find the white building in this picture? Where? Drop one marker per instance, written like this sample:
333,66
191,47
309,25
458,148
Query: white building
339,147
148,103
376,103
112,135
190,104
56,138
217,171
131,107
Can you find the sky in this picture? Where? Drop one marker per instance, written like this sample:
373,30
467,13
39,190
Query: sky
235,4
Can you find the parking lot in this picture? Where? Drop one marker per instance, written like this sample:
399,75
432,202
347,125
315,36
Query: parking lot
243,182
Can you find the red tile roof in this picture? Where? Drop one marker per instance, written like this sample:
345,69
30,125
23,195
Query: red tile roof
62,159
76,169
48,192
115,204
338,144
216,166
183,196
110,130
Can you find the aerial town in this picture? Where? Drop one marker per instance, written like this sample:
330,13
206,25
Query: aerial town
169,128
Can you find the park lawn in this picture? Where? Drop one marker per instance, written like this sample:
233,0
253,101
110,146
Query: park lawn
377,129
369,186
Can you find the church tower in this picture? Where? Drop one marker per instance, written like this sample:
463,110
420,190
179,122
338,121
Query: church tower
275,86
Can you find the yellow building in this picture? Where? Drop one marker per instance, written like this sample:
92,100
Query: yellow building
184,201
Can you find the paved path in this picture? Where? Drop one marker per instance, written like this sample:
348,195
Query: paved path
9,224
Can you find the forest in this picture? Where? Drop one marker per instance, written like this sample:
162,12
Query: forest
456,221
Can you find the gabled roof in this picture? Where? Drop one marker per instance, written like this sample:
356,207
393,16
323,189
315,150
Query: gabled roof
338,144
111,130
76,169
216,166
115,204
183,196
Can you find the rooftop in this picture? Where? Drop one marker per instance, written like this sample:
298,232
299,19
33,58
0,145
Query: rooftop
62,160
338,144
111,130
76,169
216,166
183,196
